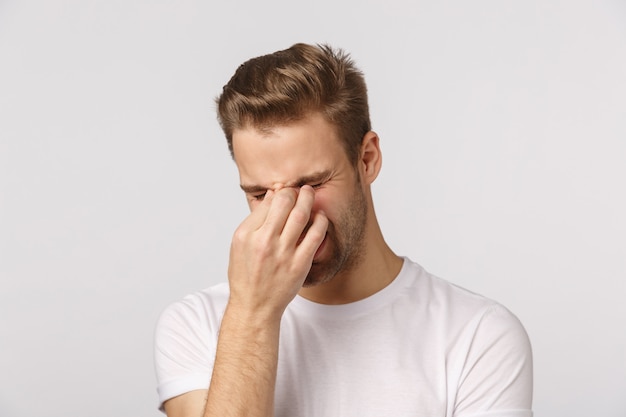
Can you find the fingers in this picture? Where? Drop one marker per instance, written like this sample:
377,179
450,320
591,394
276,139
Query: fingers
284,214
298,216
257,217
313,237
283,201
273,250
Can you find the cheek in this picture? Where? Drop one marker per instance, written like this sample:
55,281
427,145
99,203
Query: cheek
325,202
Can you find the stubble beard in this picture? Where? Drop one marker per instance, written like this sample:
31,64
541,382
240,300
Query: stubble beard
345,239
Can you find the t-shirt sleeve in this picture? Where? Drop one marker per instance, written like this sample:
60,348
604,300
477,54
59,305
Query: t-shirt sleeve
497,375
184,349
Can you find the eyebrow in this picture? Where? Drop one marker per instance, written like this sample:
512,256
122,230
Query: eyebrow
313,178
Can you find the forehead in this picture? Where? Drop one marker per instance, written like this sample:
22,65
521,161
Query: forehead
282,154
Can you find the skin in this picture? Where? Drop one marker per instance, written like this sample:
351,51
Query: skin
312,231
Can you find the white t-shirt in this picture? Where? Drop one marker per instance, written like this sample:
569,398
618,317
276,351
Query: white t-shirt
420,347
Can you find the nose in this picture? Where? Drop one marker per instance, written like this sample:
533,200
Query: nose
278,186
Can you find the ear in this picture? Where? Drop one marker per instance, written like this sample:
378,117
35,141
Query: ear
370,158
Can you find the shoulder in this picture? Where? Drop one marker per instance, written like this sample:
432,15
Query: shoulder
489,356
471,322
193,320
197,308
185,339
441,297
495,366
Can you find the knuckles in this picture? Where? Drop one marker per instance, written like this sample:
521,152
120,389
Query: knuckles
300,216
316,234
240,236
262,243
263,246
253,243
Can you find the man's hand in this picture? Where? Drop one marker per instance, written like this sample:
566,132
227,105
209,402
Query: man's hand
272,252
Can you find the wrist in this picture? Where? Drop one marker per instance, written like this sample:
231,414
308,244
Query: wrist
252,317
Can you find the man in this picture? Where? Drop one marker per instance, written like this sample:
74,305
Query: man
320,317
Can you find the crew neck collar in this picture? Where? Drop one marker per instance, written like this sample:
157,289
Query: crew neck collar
365,305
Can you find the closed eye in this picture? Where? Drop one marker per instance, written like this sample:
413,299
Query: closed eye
259,197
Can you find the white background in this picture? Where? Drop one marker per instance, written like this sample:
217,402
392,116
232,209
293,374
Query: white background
503,127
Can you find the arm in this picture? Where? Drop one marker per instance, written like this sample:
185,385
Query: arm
243,375
266,270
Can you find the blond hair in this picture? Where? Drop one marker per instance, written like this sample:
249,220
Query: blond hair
285,86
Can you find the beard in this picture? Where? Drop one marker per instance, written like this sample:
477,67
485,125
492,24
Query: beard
344,241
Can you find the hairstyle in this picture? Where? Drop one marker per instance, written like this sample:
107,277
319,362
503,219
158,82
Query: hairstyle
285,86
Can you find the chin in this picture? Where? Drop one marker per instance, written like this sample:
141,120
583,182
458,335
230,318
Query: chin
320,273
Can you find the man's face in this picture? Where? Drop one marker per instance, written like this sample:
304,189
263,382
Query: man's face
308,152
